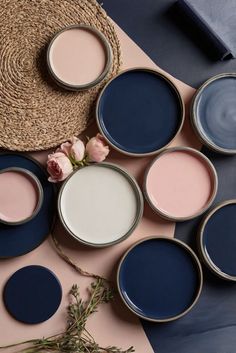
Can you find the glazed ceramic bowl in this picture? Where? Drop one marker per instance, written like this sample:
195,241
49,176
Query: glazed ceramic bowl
213,113
180,184
23,185
217,241
100,205
139,112
159,279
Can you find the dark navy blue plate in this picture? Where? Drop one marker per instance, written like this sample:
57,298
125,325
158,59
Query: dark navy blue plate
21,239
214,111
218,240
160,279
32,294
140,111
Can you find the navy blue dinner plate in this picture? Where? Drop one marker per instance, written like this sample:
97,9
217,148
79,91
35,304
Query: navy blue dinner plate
140,111
21,239
160,279
218,240
32,294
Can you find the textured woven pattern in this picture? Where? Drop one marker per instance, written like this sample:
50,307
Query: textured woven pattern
36,114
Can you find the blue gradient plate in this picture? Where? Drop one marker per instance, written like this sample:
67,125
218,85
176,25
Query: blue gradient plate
32,294
140,112
160,279
21,239
214,111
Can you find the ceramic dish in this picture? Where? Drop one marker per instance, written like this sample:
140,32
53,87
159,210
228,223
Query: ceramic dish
160,279
79,57
20,239
17,184
180,184
217,240
213,113
100,205
139,112
32,294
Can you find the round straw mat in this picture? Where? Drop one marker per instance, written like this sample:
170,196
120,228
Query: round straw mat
36,114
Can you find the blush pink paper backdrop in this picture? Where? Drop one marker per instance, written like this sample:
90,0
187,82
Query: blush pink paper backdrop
113,324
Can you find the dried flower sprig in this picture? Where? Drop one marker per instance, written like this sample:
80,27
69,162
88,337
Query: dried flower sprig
76,338
75,154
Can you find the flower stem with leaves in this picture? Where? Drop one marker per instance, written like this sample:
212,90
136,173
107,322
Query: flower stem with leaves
76,338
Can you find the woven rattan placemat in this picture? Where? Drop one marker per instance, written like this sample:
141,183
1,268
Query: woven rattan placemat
36,114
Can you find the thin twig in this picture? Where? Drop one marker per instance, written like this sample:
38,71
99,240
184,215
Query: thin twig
66,258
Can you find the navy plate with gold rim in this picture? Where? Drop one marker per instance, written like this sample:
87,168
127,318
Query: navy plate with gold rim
140,111
21,239
32,294
160,279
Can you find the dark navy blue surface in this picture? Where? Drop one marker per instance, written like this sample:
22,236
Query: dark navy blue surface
140,112
18,240
160,32
159,279
32,294
219,239
216,111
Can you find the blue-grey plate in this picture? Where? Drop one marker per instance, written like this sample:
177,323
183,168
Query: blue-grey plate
217,240
213,113
140,111
160,279
21,239
32,294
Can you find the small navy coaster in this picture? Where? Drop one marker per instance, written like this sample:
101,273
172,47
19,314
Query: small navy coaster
32,294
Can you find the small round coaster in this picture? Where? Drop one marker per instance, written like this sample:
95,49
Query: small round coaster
32,294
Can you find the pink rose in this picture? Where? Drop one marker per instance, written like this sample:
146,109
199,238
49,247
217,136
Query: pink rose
75,149
59,167
96,149
65,148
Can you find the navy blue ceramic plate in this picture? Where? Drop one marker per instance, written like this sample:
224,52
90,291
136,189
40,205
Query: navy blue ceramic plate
139,112
214,111
160,279
218,240
32,294
21,239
